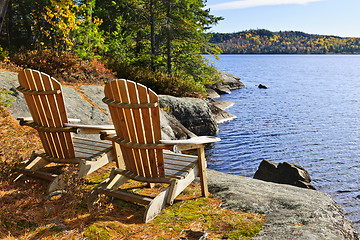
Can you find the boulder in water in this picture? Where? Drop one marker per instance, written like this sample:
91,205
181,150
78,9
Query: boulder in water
284,173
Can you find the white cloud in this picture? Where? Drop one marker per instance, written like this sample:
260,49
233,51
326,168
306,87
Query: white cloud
256,3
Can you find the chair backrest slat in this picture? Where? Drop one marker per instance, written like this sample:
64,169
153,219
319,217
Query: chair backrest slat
147,123
143,160
137,125
112,92
47,110
155,116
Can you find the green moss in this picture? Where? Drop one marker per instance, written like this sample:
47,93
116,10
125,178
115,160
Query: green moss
186,211
98,178
183,213
107,230
96,232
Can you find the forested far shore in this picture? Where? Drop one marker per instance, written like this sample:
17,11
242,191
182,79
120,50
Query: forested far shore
288,42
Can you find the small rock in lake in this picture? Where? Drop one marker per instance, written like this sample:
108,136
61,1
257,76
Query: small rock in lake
263,86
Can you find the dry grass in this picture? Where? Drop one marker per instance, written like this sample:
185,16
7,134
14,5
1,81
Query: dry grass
25,213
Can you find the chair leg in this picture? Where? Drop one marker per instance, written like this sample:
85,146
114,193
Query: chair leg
171,195
202,172
116,181
118,157
156,205
59,182
34,163
87,167
113,182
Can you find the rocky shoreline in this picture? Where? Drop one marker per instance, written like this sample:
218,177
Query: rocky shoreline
292,213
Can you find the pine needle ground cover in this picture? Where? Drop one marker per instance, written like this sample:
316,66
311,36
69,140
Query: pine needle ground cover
27,213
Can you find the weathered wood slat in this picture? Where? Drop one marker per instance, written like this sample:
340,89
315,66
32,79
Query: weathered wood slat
48,129
98,141
133,176
139,127
92,142
24,81
130,121
179,168
51,116
193,141
125,196
175,173
155,118
90,156
177,158
137,146
179,163
34,92
202,172
129,105
88,149
149,137
173,155
112,92
56,160
37,174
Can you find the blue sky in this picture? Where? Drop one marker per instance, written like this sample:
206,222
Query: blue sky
328,17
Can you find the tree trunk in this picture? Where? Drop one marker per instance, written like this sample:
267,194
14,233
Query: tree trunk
152,38
9,24
3,7
168,43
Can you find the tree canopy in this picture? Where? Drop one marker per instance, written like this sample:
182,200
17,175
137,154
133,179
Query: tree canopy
163,37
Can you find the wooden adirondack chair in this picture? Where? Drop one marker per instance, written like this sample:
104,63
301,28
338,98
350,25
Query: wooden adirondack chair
43,96
135,113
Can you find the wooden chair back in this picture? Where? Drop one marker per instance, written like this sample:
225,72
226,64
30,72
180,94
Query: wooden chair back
44,98
136,116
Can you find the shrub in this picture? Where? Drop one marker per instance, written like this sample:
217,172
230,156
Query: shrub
89,71
9,65
49,61
64,66
161,83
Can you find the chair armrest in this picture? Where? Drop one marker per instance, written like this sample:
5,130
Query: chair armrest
89,129
25,119
73,120
110,132
30,119
193,140
191,143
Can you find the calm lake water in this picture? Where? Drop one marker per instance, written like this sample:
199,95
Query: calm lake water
309,116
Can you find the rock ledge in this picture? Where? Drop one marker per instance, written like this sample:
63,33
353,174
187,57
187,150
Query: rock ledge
291,212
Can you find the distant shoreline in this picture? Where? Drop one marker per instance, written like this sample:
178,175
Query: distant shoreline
262,41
